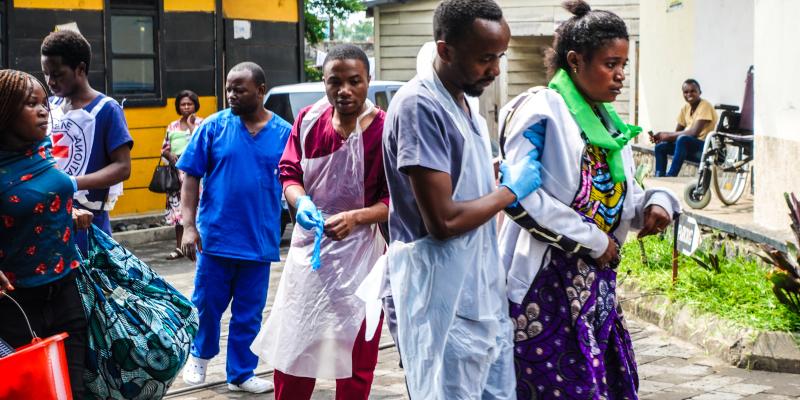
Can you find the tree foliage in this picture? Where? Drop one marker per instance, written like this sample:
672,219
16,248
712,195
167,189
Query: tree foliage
318,11
361,31
315,28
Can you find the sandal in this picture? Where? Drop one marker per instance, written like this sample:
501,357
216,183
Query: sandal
175,254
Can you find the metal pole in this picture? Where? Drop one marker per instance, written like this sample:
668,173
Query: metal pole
676,220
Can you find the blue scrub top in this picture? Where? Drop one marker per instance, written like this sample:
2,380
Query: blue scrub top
240,205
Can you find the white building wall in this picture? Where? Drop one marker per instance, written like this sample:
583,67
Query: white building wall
723,48
664,61
402,27
777,109
708,40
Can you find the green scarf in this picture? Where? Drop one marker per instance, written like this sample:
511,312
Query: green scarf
591,125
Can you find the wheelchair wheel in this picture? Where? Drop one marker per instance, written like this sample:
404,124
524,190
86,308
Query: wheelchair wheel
730,176
694,201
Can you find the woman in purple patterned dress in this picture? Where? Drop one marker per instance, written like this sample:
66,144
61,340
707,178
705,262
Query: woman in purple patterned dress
562,247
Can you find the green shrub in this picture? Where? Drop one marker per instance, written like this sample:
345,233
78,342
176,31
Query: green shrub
735,288
785,273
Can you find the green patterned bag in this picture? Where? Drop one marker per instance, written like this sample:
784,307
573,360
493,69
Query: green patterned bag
140,327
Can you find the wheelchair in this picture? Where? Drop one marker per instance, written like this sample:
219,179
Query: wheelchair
727,153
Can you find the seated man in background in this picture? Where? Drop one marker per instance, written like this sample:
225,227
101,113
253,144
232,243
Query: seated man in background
696,119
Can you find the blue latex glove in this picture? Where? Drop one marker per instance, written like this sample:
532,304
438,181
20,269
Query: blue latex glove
318,231
535,134
308,216
523,177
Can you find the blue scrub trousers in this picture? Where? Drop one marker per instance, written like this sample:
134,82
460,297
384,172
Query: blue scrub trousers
220,281
685,147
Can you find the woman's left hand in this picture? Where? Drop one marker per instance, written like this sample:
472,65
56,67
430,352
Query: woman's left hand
656,220
82,218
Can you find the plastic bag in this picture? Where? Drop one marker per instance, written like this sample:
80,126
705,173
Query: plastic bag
140,327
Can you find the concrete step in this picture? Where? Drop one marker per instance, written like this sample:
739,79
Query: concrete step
141,236
138,221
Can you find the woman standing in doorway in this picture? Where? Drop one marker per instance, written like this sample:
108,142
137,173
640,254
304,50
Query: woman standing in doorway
177,138
562,247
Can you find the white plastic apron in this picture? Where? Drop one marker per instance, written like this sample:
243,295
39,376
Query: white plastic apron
428,276
72,135
316,316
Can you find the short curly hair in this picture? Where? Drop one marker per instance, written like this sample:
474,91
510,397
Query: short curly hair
694,82
191,95
71,46
453,18
256,72
587,31
347,52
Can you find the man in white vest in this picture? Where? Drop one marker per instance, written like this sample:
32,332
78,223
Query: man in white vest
446,277
91,142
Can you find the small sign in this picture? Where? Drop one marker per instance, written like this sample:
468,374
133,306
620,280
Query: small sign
689,236
673,5
70,26
242,29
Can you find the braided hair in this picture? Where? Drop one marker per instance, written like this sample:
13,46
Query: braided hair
15,87
587,31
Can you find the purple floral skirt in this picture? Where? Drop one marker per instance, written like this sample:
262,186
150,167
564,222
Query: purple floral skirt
570,336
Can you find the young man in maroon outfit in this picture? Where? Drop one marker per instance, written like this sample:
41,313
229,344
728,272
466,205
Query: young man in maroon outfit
332,173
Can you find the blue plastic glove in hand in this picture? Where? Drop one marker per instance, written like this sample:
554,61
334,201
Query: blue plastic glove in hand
308,216
319,228
521,178
535,134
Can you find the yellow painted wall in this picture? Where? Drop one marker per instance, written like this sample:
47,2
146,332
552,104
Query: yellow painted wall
148,125
60,4
189,5
261,10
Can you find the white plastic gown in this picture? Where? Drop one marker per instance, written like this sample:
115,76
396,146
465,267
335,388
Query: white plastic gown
316,316
453,325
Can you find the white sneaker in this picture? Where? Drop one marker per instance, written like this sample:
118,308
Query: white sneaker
194,373
252,385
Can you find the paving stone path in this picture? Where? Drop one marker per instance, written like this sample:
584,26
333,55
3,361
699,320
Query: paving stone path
669,369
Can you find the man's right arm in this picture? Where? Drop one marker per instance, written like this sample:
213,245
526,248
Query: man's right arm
190,195
445,218
194,162
669,136
423,154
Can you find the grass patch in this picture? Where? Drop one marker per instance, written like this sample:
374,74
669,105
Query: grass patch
739,292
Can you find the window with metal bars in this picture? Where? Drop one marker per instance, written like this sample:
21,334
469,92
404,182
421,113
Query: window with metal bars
133,48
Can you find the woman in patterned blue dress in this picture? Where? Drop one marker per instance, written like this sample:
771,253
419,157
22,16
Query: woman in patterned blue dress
37,252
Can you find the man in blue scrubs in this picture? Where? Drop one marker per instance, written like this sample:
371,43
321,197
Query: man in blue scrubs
237,231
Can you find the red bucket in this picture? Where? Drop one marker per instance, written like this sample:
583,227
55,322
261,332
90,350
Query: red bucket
36,371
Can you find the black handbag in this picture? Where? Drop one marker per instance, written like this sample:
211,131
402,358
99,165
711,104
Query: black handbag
165,179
